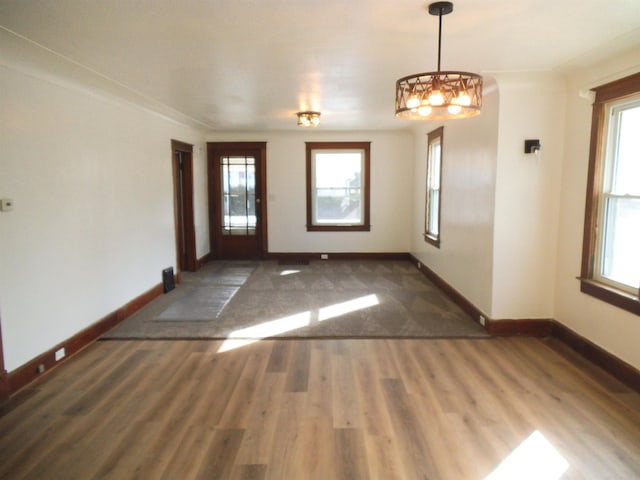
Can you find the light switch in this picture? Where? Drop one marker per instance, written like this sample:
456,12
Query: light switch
6,204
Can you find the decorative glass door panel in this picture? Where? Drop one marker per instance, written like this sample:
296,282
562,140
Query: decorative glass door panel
238,176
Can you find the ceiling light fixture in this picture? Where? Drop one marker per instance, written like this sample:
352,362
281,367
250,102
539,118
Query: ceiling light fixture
439,95
308,119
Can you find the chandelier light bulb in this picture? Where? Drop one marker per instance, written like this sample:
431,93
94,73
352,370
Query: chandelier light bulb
454,109
424,111
463,99
436,99
413,102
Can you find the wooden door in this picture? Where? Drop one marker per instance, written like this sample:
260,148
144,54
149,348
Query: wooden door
237,199
183,205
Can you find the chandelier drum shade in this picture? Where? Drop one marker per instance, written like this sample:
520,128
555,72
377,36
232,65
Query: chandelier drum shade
439,95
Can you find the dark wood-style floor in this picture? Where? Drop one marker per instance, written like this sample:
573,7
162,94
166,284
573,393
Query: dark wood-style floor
298,409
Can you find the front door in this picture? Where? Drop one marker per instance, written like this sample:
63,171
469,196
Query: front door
237,206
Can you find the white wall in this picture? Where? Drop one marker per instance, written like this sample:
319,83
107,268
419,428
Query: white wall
93,222
200,198
391,173
532,106
464,259
615,330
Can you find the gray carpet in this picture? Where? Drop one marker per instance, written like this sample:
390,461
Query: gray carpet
201,305
323,299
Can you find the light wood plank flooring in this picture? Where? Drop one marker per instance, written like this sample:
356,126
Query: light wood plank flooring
326,409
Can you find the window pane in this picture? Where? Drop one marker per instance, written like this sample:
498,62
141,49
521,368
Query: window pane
434,203
621,255
338,188
626,177
434,187
238,196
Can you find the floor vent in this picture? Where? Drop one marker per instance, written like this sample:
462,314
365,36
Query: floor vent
168,281
287,263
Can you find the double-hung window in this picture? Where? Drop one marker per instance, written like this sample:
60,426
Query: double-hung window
611,252
434,173
338,186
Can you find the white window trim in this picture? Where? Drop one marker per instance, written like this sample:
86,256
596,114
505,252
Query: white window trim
314,206
609,152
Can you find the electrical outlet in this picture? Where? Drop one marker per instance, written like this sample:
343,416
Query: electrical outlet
324,256
60,354
41,368
419,265
482,320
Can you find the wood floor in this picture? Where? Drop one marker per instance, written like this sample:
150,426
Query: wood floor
327,409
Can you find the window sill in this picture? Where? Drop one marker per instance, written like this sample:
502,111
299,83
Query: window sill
432,240
611,295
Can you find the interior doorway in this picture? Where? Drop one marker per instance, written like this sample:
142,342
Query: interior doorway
237,199
182,158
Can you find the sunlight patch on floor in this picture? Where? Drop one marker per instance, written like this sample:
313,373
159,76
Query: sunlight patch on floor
343,308
246,336
535,458
288,272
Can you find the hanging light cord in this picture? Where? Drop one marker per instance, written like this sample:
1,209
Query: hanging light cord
439,36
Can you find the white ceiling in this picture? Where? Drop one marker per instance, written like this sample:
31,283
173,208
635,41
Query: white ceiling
251,64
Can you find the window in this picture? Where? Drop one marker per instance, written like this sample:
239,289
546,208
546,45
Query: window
432,204
610,256
338,186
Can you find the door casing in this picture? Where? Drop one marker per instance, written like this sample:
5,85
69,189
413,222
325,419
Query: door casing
219,245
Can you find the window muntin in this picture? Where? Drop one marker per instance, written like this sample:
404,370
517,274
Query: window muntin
609,263
238,195
433,190
617,253
338,186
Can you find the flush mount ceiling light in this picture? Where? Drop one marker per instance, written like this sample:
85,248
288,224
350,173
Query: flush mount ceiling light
308,119
439,95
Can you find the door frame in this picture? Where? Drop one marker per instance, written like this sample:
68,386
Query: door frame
213,149
4,377
184,216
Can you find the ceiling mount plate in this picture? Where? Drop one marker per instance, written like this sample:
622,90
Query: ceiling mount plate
440,8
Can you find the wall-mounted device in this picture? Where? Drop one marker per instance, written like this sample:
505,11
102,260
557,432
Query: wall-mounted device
532,146
6,204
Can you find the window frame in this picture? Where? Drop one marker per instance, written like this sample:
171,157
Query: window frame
605,96
365,147
432,137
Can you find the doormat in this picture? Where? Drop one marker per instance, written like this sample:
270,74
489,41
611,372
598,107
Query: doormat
200,305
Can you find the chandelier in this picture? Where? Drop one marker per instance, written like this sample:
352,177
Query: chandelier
439,95
308,119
